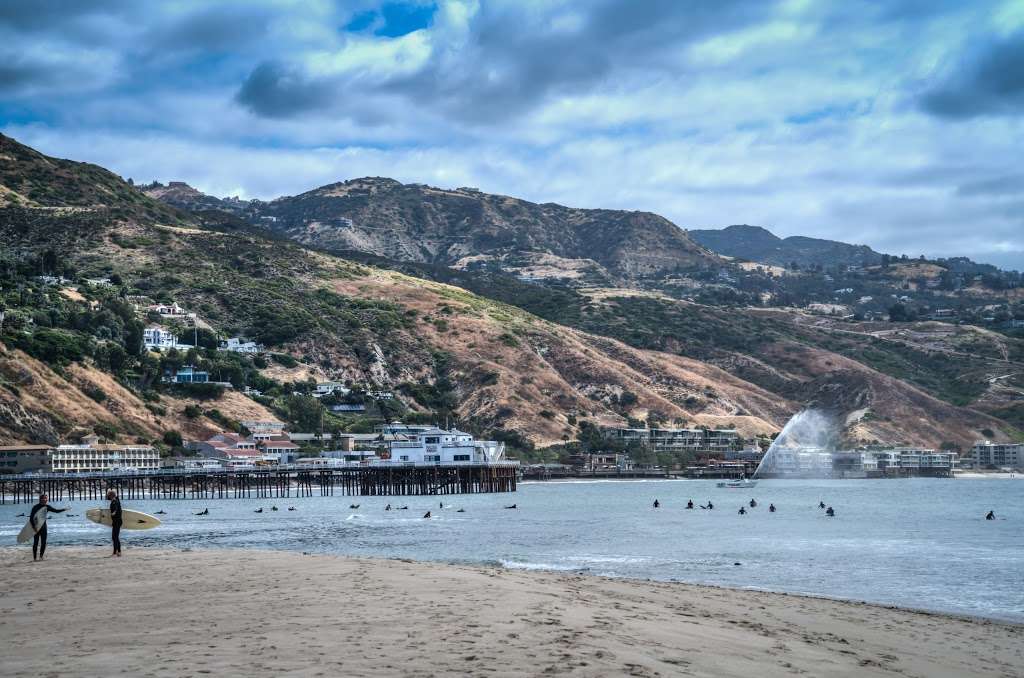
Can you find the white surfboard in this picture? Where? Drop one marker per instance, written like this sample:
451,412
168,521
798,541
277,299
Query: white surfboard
130,520
30,530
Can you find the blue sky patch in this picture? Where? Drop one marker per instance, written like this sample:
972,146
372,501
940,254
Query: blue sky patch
394,19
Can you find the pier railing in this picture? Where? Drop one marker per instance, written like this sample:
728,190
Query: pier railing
283,481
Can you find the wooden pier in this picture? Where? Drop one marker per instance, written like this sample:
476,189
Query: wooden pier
382,480
572,473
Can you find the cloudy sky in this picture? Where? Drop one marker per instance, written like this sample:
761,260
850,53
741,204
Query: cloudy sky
897,123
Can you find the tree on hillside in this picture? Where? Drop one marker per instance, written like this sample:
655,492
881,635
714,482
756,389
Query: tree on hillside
305,412
900,313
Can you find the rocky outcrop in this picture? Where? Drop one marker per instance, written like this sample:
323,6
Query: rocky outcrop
24,426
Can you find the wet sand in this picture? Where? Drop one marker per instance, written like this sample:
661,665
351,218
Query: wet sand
267,613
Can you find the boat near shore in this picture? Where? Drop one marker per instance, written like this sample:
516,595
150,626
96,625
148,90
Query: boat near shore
741,483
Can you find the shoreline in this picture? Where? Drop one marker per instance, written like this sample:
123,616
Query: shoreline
262,612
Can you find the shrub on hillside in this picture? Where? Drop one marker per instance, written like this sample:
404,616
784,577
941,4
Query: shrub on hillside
54,347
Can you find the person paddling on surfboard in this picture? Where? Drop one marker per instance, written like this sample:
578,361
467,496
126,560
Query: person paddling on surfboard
38,520
115,521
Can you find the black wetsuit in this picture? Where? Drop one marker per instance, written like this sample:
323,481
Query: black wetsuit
39,539
115,524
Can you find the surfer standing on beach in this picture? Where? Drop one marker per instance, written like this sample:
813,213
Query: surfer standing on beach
38,519
115,521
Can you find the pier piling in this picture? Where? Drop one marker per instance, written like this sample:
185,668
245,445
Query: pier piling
403,480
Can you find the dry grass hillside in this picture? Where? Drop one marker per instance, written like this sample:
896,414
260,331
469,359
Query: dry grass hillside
521,372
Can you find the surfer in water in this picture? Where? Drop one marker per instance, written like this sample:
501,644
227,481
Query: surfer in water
39,538
657,504
204,512
753,504
830,512
771,508
743,511
115,521
991,515
689,504
427,514
821,504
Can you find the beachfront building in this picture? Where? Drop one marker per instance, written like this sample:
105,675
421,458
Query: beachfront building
90,456
848,464
24,458
601,461
698,441
987,454
279,451
438,446
907,461
925,461
156,338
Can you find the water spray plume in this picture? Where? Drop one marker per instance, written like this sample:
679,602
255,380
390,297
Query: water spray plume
813,431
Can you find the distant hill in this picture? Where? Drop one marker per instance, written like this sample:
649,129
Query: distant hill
464,227
453,345
754,243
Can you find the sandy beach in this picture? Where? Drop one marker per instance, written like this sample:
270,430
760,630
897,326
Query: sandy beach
260,613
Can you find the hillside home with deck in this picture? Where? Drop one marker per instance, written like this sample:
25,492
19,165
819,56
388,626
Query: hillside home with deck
186,374
239,345
170,311
156,338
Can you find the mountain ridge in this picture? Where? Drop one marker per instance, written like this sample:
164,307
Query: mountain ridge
463,226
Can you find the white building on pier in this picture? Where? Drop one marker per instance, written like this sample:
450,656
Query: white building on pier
438,446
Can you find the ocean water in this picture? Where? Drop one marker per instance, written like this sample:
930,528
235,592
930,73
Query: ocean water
920,543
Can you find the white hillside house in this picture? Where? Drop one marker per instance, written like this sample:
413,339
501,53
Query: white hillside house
326,388
157,338
171,311
239,345
437,446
